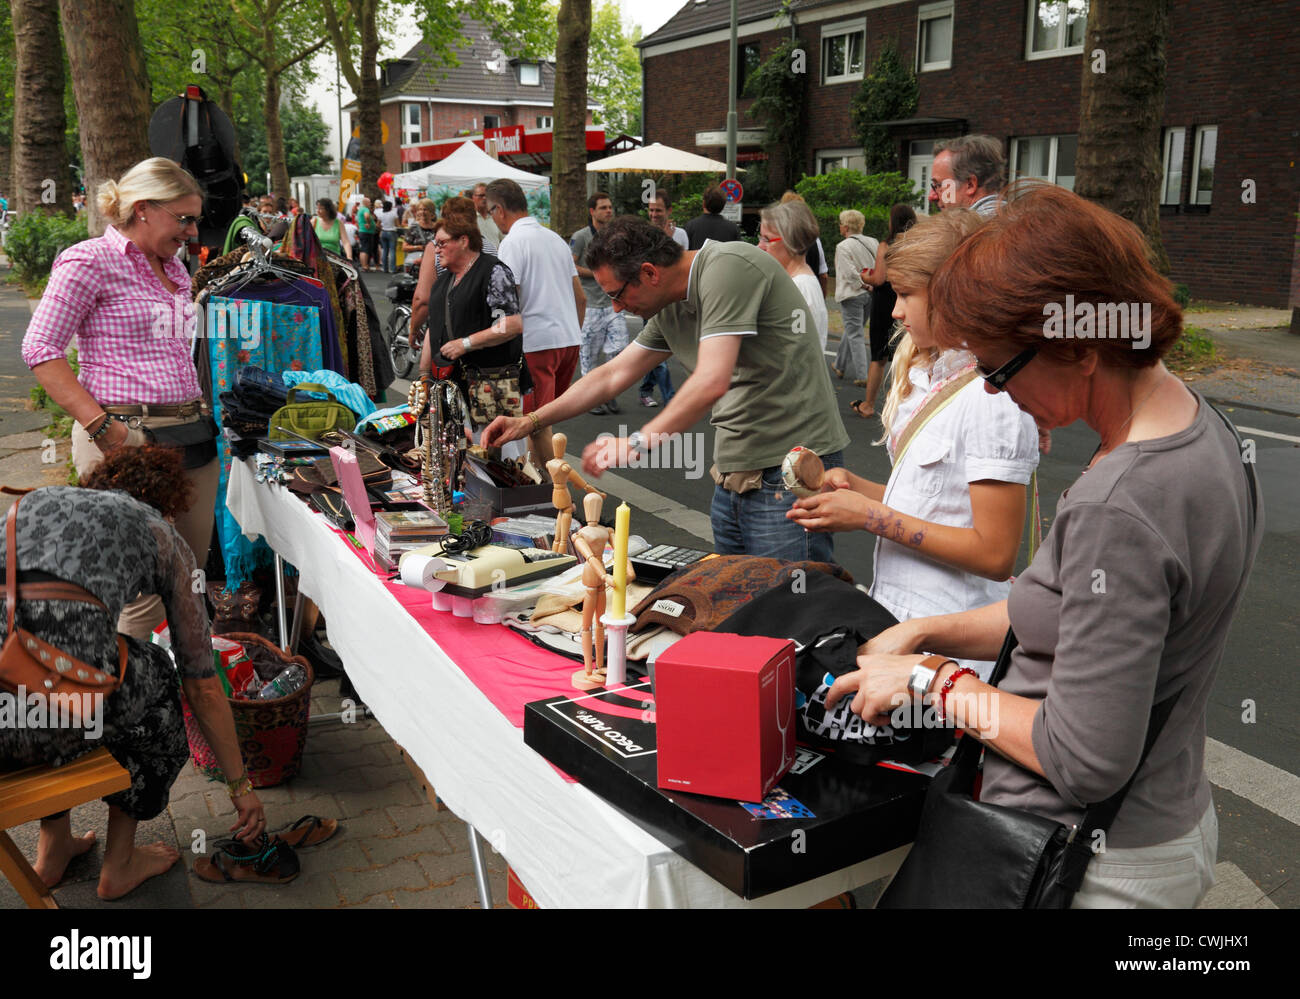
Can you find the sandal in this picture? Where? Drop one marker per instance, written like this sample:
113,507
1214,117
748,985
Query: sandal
310,830
271,862
856,405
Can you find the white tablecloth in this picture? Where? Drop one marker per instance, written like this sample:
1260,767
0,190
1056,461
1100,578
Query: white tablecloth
568,846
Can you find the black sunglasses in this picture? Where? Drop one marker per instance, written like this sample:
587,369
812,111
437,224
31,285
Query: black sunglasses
999,376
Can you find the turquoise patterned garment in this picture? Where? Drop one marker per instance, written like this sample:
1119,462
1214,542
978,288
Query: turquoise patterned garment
277,338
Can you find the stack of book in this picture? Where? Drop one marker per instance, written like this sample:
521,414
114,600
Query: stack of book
398,531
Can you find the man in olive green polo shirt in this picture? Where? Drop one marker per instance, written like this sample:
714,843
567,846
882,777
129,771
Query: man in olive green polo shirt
738,324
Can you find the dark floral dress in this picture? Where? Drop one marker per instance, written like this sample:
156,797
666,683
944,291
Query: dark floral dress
116,548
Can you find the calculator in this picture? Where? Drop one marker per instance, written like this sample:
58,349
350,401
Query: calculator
656,563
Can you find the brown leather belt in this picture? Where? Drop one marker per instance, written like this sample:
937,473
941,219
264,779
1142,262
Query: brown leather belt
179,411
57,591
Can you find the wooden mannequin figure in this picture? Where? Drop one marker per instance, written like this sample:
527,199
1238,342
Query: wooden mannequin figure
589,544
561,472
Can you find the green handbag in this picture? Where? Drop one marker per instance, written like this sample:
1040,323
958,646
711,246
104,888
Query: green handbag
311,417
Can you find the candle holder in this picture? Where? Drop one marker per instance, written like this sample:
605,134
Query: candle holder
616,647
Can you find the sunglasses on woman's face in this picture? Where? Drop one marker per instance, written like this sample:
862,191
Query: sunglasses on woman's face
999,376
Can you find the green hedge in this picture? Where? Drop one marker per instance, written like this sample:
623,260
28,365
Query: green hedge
35,239
873,195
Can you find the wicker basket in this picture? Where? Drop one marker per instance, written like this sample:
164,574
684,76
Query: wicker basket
272,734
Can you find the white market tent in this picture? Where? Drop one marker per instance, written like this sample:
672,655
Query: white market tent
465,167
657,158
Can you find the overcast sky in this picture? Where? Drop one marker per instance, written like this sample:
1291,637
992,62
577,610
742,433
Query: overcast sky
650,14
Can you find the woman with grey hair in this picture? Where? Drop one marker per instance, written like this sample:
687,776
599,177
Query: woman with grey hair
854,254
785,231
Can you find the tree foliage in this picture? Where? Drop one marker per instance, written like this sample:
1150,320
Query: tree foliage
888,92
614,71
841,189
779,87
306,135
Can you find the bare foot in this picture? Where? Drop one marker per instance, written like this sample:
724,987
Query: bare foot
146,862
52,859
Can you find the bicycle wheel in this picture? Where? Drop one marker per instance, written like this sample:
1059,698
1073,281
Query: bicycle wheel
399,341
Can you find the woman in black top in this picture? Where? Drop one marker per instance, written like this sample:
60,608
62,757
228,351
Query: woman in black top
901,218
473,315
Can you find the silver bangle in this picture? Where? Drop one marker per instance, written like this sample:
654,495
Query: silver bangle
467,343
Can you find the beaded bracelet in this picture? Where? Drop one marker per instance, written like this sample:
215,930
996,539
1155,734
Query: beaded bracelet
102,429
947,687
537,424
240,786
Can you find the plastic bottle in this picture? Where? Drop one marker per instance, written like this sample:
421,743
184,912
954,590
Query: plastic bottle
285,683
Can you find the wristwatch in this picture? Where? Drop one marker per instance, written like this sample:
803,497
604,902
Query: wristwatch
637,442
923,674
466,343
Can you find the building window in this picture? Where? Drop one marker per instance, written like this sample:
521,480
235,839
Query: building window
1171,188
410,124
934,37
491,121
840,159
1047,157
1056,27
747,62
530,74
1207,141
545,121
843,46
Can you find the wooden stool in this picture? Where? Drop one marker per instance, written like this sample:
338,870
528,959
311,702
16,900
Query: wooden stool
39,791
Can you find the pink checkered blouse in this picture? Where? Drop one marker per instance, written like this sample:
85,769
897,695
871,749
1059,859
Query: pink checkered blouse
133,336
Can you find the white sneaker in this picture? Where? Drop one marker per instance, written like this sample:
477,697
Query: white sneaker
648,401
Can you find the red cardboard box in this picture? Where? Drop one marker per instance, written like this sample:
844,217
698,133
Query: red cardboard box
724,713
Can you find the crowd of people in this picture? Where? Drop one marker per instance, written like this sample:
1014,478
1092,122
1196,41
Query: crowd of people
537,329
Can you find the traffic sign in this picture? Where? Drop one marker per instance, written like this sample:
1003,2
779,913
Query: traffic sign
732,189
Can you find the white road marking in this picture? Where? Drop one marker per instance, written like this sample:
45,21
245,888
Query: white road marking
1268,433
1260,783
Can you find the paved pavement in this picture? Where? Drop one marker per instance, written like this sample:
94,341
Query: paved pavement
397,850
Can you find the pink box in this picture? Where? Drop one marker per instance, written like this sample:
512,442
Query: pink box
724,714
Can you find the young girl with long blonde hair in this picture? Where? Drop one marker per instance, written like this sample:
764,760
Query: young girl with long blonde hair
949,520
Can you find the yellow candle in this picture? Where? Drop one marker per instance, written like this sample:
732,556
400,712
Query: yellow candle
622,521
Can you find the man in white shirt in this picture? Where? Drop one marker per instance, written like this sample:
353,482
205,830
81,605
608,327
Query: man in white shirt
491,234
657,210
551,298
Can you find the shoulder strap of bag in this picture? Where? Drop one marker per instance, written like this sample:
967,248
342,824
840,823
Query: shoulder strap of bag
930,410
11,562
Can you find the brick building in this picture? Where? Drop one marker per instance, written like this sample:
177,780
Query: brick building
430,109
1012,69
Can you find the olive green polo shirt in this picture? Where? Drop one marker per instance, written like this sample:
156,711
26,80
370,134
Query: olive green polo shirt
780,392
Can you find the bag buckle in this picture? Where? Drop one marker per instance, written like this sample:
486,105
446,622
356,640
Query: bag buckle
134,422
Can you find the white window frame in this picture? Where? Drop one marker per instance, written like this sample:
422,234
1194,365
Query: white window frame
533,66
845,155
1194,192
934,12
545,121
844,28
411,131
1165,193
1057,50
1054,142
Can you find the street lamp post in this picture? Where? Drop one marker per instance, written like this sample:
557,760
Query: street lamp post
731,99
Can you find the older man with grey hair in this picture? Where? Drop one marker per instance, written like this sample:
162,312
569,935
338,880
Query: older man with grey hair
968,173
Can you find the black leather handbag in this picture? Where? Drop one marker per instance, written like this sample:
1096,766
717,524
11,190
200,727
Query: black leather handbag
972,855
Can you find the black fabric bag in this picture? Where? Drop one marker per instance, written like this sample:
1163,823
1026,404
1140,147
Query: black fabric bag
828,619
973,855
197,440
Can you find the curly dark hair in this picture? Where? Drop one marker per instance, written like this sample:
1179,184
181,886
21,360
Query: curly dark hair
150,474
627,243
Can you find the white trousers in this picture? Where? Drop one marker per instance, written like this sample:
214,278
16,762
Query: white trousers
1172,875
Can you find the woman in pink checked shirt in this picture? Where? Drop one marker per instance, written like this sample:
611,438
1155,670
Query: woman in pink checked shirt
126,299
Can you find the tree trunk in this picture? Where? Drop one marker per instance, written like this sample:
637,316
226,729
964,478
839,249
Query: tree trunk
274,136
1122,104
41,181
111,86
569,149
368,110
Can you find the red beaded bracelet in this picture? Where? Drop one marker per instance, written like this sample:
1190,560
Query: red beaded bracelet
947,686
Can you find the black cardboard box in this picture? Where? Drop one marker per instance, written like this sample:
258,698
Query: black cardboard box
509,502
842,813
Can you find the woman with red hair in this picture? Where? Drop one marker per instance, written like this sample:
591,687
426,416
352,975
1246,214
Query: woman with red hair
1128,602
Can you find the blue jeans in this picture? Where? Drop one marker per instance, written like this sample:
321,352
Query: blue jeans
658,375
388,251
754,523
